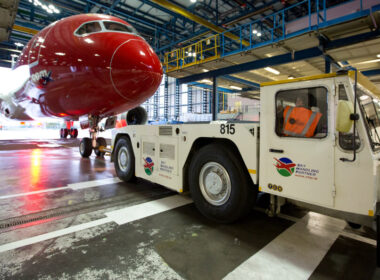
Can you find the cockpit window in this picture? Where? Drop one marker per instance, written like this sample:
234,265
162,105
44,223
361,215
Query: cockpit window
89,27
116,26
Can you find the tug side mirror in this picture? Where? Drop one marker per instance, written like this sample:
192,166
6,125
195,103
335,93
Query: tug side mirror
345,116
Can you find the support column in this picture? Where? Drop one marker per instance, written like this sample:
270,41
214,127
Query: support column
189,99
327,66
214,98
204,101
209,102
166,98
176,101
155,104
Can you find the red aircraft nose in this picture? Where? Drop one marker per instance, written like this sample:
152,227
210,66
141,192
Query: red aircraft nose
136,71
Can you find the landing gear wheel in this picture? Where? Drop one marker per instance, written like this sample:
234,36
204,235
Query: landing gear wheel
64,132
219,187
124,160
73,133
85,147
100,141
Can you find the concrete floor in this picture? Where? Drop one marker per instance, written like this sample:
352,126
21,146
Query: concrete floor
64,217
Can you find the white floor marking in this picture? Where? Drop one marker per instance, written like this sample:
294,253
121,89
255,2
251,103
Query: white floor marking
53,234
75,186
120,217
140,211
295,253
359,238
95,183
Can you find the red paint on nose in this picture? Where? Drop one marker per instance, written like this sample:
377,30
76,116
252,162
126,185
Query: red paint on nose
136,71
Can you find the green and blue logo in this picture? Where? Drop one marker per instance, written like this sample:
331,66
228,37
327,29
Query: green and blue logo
285,166
148,165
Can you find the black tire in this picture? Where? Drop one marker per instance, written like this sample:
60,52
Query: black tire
65,132
224,198
85,147
73,133
100,141
124,160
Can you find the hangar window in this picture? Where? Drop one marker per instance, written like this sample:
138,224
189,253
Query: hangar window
302,113
116,26
88,28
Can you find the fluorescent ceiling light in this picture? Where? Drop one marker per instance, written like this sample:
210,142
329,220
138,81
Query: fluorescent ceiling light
193,1
205,70
378,55
254,31
290,77
19,44
238,88
205,81
363,97
274,71
259,34
369,61
60,53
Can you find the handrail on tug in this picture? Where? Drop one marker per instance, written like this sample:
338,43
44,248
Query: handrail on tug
267,30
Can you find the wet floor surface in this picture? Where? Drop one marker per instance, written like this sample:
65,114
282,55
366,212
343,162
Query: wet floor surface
64,217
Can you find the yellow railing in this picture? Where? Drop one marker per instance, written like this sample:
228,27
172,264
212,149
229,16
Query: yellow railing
199,52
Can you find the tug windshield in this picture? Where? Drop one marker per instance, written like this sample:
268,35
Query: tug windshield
370,108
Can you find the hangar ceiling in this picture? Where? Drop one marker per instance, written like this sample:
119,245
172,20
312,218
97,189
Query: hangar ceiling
171,24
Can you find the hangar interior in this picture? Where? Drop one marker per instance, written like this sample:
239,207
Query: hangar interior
67,217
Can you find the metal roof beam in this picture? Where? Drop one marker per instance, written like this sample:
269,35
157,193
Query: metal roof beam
136,10
373,72
114,4
204,31
142,21
161,8
241,81
284,58
177,9
256,64
196,84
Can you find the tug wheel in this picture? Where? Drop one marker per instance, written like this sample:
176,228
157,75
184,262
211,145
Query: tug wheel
219,187
124,160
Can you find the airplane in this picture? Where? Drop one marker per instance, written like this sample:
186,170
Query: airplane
287,166
84,67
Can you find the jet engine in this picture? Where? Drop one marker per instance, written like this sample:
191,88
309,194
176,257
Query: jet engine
12,111
137,115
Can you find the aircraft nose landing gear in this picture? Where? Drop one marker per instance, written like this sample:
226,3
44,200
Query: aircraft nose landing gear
98,144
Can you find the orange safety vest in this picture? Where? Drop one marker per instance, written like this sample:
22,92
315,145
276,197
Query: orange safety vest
299,121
